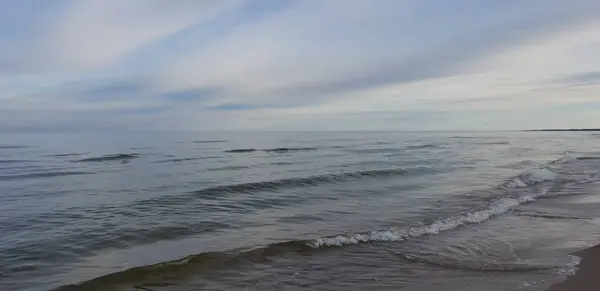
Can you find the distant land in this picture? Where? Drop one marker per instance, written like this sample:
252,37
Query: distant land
566,129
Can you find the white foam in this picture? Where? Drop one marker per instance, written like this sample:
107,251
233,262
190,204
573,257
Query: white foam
571,268
567,158
568,269
497,207
531,178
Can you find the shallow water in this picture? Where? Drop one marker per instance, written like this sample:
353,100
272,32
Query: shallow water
287,211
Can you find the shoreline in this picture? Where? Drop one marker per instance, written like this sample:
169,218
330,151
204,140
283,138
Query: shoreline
586,278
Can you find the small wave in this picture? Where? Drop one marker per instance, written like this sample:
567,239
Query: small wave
273,150
67,155
376,150
13,161
493,143
41,175
569,157
209,141
285,150
108,158
241,151
525,164
475,265
531,178
588,158
423,146
281,163
210,260
228,168
298,182
177,160
13,147
469,137
547,215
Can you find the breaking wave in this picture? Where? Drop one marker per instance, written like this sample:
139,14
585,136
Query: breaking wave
498,207
108,158
531,178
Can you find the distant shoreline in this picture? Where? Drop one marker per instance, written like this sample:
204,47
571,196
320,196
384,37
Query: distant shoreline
571,129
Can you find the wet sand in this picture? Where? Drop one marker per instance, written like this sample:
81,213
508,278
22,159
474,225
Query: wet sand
587,277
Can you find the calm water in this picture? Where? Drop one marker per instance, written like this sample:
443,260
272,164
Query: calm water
295,211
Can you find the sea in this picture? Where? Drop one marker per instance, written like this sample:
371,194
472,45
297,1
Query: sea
181,211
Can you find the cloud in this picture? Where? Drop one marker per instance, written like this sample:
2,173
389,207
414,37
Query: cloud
581,79
303,54
100,33
299,64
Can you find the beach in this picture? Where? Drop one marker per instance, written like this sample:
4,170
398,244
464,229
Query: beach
587,277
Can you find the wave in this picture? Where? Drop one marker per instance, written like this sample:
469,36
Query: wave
209,141
228,168
588,158
210,261
376,150
273,150
476,265
285,150
298,182
569,157
547,215
531,178
241,151
67,155
492,143
262,253
469,137
13,161
177,160
498,207
525,164
42,175
2,147
423,146
108,158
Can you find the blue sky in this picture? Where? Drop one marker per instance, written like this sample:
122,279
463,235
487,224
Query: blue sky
299,65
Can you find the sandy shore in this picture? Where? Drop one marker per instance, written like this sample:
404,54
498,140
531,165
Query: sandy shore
588,276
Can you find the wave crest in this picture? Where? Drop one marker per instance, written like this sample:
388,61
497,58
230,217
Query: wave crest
108,158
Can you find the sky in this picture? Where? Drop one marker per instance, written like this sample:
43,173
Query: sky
299,65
